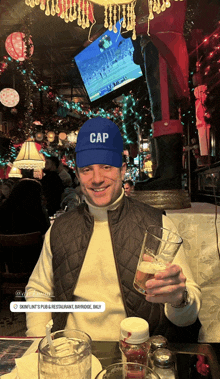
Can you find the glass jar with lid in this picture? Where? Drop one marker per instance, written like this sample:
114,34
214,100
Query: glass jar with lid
134,336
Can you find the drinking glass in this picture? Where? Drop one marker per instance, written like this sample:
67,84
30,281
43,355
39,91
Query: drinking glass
127,370
70,358
159,248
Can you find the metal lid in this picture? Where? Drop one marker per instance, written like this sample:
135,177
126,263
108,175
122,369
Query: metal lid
163,358
158,342
134,330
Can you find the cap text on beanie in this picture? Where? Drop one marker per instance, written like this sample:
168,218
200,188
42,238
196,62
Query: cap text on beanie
99,141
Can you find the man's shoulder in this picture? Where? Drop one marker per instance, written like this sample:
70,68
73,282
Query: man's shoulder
142,207
70,218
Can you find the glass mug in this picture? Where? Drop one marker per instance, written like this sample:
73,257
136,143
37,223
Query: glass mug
71,358
159,248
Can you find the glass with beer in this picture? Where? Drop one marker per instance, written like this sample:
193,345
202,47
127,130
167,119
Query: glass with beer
159,248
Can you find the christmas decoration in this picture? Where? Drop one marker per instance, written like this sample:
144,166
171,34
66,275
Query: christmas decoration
50,136
9,97
72,137
71,10
39,136
14,111
16,47
201,124
37,122
62,111
62,136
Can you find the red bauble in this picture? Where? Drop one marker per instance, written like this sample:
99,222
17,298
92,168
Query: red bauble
51,95
15,46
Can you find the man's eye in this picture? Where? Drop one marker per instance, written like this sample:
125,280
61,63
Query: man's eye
85,169
107,167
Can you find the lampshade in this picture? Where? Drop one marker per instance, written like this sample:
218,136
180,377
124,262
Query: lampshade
15,173
29,157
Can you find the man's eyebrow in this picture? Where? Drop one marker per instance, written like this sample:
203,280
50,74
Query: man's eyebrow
81,168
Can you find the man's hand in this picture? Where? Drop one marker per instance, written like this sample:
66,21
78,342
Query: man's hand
168,286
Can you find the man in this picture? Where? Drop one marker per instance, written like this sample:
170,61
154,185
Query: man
128,187
91,254
52,185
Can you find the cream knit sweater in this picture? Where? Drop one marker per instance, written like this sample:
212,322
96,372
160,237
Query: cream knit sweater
98,282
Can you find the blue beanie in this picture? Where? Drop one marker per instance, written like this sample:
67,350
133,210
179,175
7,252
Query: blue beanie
99,142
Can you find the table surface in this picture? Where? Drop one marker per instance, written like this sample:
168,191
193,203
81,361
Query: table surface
109,353
197,208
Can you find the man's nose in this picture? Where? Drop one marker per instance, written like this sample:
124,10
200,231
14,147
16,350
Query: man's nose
97,175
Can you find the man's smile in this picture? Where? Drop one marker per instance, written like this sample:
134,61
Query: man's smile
101,189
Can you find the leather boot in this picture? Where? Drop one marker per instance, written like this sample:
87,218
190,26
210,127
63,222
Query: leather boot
168,174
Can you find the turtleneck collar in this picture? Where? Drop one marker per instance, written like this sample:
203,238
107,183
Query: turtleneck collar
101,213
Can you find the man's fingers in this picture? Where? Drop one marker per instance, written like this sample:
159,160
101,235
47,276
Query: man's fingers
171,271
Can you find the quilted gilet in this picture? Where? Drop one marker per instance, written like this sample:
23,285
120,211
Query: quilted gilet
70,236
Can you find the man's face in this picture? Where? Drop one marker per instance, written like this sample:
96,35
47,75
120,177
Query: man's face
101,184
127,189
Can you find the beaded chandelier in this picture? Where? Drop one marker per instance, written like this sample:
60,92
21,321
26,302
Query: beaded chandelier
82,11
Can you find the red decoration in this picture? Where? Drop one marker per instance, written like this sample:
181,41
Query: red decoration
201,366
201,124
51,95
15,46
38,146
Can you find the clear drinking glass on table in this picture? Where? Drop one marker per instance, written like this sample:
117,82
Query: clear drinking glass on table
159,248
125,370
70,358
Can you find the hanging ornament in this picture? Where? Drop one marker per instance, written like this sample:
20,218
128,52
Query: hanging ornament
9,97
72,137
37,122
50,136
39,136
62,111
51,95
3,66
62,136
15,46
14,111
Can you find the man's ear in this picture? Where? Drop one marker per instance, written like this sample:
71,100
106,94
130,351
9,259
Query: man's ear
77,174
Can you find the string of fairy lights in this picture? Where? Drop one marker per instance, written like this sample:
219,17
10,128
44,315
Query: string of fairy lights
207,55
73,106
